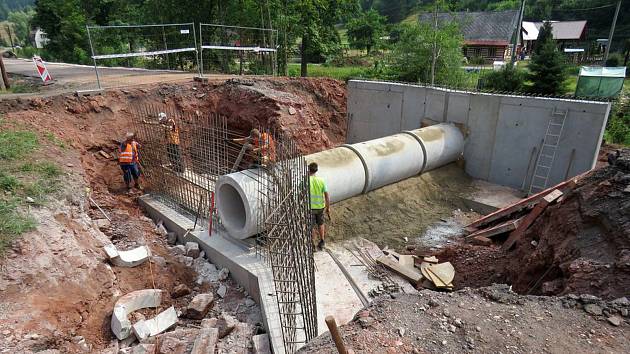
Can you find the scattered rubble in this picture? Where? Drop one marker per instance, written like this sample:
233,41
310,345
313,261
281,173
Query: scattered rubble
199,306
131,258
136,300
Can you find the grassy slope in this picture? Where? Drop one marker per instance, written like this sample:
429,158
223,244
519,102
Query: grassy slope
24,180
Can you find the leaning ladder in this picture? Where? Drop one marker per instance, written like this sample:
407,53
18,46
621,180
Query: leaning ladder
548,151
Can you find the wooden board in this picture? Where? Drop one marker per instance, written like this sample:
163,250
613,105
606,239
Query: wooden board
444,271
410,274
530,218
527,202
497,230
406,260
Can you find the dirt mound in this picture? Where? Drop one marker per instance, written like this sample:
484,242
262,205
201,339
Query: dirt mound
579,245
486,320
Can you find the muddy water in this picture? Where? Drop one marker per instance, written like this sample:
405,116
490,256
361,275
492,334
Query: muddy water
405,209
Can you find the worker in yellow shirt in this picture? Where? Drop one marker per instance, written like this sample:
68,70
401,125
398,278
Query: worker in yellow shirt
320,203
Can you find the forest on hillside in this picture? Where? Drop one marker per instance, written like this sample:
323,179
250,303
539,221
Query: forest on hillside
7,6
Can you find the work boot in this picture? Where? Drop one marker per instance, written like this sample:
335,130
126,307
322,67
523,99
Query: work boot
321,245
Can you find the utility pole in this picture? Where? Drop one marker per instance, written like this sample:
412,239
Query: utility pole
5,76
612,31
519,29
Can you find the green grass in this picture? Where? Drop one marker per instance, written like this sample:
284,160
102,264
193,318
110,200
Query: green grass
339,73
22,177
55,140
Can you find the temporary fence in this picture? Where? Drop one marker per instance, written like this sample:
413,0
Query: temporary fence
122,53
237,50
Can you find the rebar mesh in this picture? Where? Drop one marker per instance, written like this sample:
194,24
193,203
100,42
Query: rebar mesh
283,186
182,155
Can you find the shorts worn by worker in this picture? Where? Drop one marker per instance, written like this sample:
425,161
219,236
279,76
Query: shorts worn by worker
318,216
130,171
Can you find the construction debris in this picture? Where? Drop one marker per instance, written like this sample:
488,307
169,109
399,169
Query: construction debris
154,326
129,259
136,300
199,306
431,274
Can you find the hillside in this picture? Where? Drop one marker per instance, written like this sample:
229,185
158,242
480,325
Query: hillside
7,6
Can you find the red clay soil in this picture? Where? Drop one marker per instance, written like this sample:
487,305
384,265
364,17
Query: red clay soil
580,245
310,110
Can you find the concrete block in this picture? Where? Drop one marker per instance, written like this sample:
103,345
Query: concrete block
156,325
206,341
199,306
192,249
261,344
121,326
129,258
178,250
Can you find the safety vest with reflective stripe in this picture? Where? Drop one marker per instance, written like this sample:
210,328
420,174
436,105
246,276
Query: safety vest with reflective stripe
172,134
267,146
129,154
317,190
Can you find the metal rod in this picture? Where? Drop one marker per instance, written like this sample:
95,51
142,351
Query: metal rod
98,79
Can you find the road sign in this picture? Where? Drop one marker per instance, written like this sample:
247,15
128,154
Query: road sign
41,69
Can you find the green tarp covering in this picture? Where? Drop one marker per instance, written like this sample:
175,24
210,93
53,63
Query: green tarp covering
600,82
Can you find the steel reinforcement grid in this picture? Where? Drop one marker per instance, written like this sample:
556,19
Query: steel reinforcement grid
285,240
182,155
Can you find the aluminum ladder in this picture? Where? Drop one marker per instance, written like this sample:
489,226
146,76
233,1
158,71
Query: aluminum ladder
548,150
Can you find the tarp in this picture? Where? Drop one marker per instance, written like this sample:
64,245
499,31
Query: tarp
600,81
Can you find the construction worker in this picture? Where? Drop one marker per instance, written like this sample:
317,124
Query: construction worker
171,135
173,151
262,146
320,203
128,158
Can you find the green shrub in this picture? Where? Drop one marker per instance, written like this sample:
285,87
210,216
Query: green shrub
12,223
618,127
614,59
8,183
509,78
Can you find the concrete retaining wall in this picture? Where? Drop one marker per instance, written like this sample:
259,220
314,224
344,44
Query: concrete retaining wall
503,133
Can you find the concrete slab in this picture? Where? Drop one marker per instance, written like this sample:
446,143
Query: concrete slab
120,324
156,325
206,341
128,259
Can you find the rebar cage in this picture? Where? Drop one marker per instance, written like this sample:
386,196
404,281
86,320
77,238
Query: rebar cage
182,155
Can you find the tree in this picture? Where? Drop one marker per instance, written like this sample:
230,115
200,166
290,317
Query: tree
547,66
21,24
420,45
364,32
64,23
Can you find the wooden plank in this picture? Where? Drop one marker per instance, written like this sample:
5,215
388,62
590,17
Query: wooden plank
406,260
530,218
410,274
497,230
524,203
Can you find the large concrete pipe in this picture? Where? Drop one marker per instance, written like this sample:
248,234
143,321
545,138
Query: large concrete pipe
349,170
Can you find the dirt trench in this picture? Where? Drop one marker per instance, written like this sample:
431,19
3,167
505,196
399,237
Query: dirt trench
57,289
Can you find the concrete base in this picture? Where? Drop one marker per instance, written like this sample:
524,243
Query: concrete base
335,293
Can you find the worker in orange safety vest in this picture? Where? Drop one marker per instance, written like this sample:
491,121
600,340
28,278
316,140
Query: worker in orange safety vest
262,146
128,158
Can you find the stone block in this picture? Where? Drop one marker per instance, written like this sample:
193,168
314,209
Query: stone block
192,249
120,324
129,259
156,325
206,341
199,306
179,291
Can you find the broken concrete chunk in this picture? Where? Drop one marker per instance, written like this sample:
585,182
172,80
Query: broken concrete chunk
187,261
261,344
222,291
178,250
129,258
156,325
144,348
206,341
224,273
199,306
177,341
224,323
192,249
161,230
179,291
102,224
615,320
121,326
593,309
159,261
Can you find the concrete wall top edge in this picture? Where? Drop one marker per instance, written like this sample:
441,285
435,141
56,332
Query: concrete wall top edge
354,84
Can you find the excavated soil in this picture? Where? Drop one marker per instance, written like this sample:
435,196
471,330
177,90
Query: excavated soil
579,245
57,290
485,320
397,215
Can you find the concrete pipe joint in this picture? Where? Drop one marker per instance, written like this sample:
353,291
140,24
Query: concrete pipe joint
348,170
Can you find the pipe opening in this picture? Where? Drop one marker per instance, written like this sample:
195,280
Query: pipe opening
232,207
